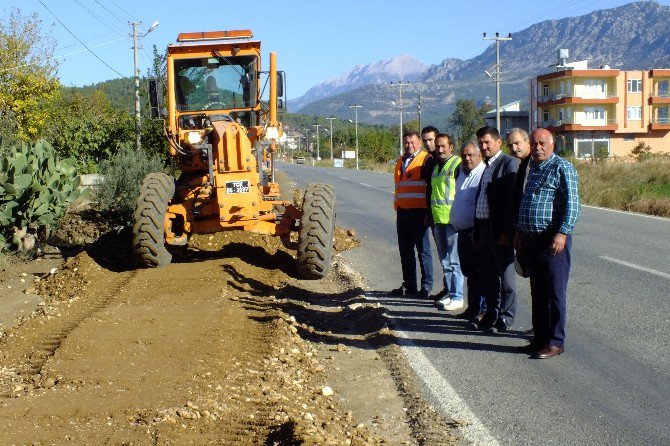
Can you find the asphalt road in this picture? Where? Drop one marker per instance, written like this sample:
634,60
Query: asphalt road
611,387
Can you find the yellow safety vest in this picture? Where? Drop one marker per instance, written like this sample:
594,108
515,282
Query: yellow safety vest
443,189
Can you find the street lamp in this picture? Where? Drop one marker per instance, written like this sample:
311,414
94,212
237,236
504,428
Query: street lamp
496,79
356,107
331,136
318,146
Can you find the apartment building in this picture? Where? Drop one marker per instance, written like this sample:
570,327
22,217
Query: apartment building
597,112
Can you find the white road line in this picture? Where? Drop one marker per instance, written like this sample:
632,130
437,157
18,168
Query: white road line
450,403
638,267
344,178
655,217
365,184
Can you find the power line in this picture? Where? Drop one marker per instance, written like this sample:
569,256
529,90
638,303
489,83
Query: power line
63,56
123,10
111,13
98,18
79,40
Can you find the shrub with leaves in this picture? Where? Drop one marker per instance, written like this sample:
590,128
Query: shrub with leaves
122,176
35,191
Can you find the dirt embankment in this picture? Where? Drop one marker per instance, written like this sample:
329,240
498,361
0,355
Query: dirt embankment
224,346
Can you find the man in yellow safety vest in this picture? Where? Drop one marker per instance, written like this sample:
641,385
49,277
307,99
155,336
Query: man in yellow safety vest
442,193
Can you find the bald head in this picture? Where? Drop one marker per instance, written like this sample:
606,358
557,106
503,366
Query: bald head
541,145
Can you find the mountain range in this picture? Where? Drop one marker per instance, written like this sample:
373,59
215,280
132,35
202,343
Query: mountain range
628,37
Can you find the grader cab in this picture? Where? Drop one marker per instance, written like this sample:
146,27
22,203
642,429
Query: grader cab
222,137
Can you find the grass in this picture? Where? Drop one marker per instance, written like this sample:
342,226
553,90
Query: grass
627,185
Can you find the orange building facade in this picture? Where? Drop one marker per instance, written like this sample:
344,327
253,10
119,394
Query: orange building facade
604,112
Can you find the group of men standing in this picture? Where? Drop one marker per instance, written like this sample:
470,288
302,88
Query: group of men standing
485,208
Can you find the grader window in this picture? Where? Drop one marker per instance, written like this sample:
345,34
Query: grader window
216,83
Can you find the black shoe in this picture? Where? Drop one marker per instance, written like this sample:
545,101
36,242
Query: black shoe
468,314
439,295
402,291
423,294
487,323
501,325
529,348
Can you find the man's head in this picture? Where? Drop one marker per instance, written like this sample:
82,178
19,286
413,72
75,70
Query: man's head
428,136
541,145
470,156
518,143
489,141
412,142
444,148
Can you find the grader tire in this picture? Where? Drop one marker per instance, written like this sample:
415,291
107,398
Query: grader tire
156,191
317,229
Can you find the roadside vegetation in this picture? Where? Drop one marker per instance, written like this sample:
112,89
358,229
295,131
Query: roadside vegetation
640,183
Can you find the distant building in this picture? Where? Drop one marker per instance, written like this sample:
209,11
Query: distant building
597,112
511,116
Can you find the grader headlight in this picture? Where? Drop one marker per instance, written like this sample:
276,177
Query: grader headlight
194,138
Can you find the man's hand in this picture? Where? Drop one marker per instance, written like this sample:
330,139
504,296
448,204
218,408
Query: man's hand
503,240
558,244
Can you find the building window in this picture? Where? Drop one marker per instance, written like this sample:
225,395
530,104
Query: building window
663,117
634,85
592,148
663,89
634,113
545,89
594,113
545,117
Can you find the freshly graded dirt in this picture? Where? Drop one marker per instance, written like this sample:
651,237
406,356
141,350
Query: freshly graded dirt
223,346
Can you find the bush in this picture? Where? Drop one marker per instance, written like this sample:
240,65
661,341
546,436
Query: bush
35,191
122,175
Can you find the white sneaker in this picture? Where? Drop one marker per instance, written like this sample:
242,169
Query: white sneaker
442,303
454,305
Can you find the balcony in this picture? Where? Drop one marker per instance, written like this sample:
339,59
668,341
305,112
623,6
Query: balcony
610,97
660,98
660,124
569,125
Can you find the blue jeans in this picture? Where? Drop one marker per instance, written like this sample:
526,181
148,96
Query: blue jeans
446,240
413,235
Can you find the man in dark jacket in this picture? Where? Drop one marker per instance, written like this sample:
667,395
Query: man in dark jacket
494,232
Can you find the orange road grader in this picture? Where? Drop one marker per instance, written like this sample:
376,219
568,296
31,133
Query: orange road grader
222,137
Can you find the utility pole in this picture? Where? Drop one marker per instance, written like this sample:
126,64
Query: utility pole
331,136
419,108
400,85
497,38
318,145
356,107
136,72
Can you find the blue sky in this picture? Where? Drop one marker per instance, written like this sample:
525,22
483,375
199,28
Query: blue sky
315,40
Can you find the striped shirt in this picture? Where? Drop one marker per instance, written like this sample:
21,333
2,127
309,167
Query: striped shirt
550,201
482,209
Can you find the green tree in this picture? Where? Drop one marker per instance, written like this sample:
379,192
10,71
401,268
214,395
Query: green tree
87,128
467,119
28,80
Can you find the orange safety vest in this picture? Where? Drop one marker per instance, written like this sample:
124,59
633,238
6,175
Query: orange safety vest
410,188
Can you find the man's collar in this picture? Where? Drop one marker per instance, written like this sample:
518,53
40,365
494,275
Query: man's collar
493,158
